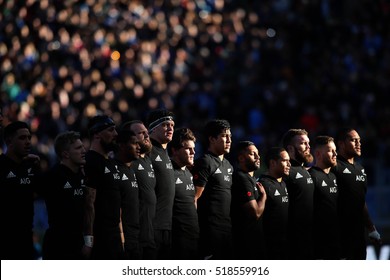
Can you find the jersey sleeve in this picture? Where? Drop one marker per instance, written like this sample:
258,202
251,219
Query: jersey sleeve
201,172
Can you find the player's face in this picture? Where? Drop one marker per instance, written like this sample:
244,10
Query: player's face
252,158
185,155
164,132
352,144
21,143
133,148
284,164
302,149
76,153
330,155
108,138
223,142
142,136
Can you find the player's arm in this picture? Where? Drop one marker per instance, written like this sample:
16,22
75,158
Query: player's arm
373,234
256,208
89,217
198,193
121,229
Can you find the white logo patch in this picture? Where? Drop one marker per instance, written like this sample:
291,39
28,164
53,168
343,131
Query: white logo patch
178,181
11,175
346,171
140,167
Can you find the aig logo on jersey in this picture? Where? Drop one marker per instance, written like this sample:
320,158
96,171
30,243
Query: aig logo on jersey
226,178
78,192
25,181
360,178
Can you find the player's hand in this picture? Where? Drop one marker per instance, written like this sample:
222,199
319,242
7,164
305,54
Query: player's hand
262,190
375,237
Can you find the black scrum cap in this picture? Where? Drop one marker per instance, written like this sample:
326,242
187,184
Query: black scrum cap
99,123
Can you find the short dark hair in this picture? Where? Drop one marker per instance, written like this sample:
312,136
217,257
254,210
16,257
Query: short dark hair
127,125
63,141
124,135
322,140
180,135
11,129
214,127
342,133
273,153
242,146
290,134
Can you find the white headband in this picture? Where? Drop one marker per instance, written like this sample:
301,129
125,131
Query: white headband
159,121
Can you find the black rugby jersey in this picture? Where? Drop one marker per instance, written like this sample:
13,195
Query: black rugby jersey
244,189
165,186
185,216
300,189
352,188
102,174
352,185
18,183
146,179
64,197
216,177
130,209
248,237
275,218
185,225
325,219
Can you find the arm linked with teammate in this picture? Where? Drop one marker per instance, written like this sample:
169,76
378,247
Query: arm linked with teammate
89,216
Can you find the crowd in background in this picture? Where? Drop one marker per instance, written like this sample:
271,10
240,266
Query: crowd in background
264,65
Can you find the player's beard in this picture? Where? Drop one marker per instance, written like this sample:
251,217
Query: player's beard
108,146
251,166
330,163
303,158
145,148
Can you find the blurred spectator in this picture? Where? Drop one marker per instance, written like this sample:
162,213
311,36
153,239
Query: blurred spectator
80,56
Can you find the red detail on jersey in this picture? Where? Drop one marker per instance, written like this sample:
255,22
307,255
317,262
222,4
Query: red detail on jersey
248,193
196,176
